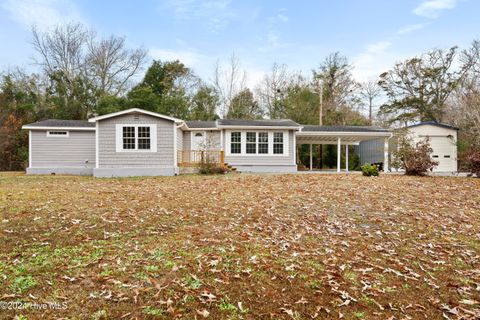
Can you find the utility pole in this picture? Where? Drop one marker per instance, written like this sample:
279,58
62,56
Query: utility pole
320,94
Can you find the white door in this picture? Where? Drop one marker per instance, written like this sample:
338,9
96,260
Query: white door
198,140
444,153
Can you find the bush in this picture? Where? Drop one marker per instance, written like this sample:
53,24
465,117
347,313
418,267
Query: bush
414,158
473,162
370,170
208,168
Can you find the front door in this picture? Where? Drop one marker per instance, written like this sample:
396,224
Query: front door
198,140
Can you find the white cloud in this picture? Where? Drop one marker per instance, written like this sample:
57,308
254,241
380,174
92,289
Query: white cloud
189,58
42,13
373,61
432,8
282,17
410,28
217,13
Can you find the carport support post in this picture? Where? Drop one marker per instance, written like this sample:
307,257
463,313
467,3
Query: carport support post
346,157
339,153
311,159
385,159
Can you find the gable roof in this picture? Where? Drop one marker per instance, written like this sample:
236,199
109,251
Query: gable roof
134,110
313,128
60,124
433,123
283,123
201,124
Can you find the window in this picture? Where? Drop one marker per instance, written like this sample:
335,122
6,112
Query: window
128,138
57,133
263,142
144,138
278,143
133,137
435,156
446,156
251,142
236,142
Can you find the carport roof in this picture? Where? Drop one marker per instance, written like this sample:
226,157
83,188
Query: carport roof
312,128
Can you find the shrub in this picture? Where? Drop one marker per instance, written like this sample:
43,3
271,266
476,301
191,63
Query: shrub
414,158
473,162
209,168
370,170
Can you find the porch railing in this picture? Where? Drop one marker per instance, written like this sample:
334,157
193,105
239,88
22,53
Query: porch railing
193,158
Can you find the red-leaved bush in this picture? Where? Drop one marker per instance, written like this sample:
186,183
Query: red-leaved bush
473,160
414,158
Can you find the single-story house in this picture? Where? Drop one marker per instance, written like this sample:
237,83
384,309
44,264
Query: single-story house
442,138
137,142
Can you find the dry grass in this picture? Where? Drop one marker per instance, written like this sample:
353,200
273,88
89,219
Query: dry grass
241,247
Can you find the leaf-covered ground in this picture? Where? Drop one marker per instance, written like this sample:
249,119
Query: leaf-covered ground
241,247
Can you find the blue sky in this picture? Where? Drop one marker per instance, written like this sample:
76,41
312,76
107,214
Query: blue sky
373,34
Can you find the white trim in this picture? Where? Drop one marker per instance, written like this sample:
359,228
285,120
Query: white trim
175,163
30,149
97,152
50,135
201,129
59,128
243,144
343,133
339,153
235,128
132,110
221,141
346,157
119,138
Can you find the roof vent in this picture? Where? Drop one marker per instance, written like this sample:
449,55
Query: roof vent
136,117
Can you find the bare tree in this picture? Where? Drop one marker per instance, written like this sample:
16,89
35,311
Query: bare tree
272,90
75,52
111,65
369,91
62,49
228,83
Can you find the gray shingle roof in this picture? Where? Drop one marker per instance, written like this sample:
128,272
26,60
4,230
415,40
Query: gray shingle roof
311,128
201,124
62,123
433,123
259,123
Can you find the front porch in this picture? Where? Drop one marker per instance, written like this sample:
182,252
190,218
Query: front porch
194,158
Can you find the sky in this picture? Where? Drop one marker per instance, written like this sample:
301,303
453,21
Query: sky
373,34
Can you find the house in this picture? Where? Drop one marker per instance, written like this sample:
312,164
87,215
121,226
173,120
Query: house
137,142
442,138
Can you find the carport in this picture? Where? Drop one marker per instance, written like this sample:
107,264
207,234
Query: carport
341,136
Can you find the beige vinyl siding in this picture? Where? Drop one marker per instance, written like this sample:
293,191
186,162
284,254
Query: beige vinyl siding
109,158
371,151
179,139
187,140
76,150
264,160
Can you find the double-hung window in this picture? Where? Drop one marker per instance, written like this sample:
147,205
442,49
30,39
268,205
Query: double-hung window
251,143
263,142
236,143
278,143
136,137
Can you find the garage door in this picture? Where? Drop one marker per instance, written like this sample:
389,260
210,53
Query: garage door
444,153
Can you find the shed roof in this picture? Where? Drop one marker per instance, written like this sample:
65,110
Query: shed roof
433,123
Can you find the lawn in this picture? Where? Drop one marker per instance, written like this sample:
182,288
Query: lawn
241,247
